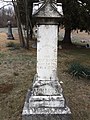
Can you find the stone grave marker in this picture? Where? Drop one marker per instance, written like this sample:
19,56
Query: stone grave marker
45,100
9,34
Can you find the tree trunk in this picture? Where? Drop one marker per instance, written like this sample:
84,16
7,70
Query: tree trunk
67,36
67,22
30,18
27,24
16,9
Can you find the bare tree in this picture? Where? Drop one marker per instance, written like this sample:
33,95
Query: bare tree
6,14
23,12
17,12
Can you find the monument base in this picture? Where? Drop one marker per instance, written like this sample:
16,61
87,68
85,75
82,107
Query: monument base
45,101
10,37
47,117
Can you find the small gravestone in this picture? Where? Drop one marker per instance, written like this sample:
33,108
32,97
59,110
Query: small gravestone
87,46
9,34
45,101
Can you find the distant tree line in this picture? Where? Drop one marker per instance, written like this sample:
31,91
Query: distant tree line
7,14
76,15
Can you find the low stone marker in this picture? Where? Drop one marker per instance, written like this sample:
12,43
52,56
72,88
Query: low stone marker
9,34
45,100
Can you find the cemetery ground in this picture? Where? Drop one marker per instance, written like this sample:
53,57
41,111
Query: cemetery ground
17,70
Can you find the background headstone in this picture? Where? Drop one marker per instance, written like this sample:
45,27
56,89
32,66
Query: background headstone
9,34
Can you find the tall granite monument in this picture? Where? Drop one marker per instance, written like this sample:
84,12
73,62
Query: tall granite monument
45,100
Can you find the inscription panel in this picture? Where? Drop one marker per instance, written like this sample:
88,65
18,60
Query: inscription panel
47,52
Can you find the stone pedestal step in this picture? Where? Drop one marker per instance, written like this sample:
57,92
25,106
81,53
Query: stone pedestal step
51,110
46,98
47,104
46,101
45,110
47,117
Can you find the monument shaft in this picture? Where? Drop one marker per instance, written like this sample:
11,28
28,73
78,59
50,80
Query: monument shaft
47,52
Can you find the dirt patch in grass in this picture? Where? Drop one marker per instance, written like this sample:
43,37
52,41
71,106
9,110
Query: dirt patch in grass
6,88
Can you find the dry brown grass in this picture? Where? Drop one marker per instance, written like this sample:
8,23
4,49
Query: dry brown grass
17,69
76,91
4,41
